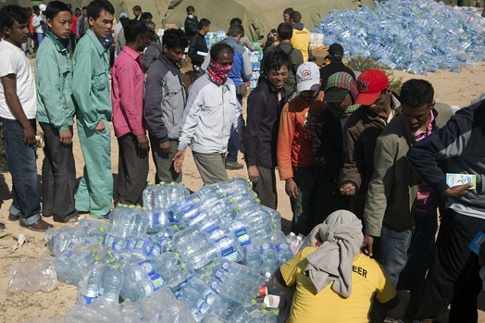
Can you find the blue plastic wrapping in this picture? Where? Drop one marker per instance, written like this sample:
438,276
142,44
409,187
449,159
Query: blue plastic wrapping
410,35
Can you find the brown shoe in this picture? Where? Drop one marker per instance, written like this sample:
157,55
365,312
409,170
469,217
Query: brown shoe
71,218
40,226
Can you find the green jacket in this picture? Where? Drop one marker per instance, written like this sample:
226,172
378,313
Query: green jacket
394,184
54,79
91,90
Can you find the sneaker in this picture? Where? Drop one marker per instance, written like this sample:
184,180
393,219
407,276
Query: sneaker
234,165
40,226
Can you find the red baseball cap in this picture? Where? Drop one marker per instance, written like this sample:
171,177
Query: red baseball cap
371,83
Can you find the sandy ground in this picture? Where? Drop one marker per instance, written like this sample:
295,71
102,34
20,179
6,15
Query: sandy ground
453,88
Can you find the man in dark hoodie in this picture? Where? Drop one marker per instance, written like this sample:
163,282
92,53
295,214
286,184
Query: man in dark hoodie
328,131
454,276
165,99
261,134
285,31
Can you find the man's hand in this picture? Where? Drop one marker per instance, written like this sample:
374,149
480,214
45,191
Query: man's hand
253,173
457,191
100,126
368,245
291,188
29,134
178,161
65,136
142,142
165,147
348,189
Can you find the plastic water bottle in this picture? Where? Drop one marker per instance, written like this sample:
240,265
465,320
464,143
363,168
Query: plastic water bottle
163,196
112,284
228,248
72,265
295,242
141,280
186,207
236,282
195,249
129,222
200,298
269,258
91,287
172,269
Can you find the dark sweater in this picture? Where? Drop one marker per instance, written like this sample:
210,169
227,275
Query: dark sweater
198,44
261,132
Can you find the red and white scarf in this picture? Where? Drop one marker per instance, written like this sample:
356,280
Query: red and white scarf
218,73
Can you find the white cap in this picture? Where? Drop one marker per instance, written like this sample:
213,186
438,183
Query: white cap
307,77
42,7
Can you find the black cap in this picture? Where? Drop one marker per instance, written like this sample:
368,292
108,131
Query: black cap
336,50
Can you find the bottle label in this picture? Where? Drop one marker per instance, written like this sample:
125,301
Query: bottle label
155,218
230,254
156,280
88,300
243,236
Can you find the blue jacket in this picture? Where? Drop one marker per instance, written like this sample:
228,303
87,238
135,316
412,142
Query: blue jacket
241,66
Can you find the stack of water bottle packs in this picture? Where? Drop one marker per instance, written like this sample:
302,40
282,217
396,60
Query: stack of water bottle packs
206,254
416,36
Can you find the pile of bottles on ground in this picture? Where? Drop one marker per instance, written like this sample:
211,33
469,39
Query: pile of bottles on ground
416,36
199,257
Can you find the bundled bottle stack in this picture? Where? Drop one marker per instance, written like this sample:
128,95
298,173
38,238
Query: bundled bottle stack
410,35
207,253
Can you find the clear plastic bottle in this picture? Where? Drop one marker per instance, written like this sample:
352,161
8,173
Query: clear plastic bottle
112,284
91,286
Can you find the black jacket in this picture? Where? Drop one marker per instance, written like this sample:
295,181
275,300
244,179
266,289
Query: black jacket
198,44
191,26
332,68
261,132
459,144
327,142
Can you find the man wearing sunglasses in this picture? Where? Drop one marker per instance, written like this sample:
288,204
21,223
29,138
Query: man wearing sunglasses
377,108
400,209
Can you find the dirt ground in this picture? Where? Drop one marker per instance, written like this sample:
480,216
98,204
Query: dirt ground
456,89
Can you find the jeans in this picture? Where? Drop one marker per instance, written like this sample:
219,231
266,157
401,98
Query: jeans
21,163
408,252
454,275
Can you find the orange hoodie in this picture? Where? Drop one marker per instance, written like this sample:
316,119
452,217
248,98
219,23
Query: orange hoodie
294,138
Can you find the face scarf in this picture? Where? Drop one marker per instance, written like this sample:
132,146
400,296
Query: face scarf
218,73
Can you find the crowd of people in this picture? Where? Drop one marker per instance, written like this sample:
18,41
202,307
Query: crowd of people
365,168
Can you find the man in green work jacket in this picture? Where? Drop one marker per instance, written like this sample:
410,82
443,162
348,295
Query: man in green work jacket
91,92
55,113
